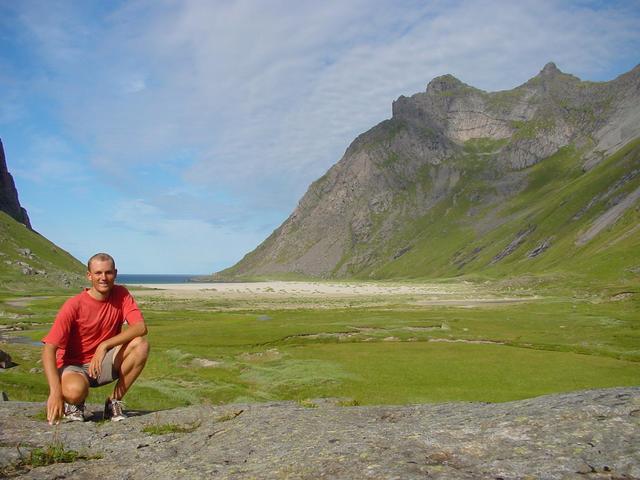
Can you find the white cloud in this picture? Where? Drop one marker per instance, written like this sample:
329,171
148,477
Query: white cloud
187,245
223,112
133,83
50,160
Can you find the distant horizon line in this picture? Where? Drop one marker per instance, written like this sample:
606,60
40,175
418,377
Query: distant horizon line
167,274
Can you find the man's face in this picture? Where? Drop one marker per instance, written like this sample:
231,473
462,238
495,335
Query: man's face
102,276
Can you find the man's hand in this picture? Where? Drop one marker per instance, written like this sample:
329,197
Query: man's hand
55,408
55,402
95,367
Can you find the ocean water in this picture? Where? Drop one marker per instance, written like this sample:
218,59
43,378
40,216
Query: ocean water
137,278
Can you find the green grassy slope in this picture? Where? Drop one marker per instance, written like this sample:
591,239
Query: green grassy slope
29,263
560,203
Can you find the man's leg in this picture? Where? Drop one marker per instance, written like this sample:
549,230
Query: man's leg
129,362
75,387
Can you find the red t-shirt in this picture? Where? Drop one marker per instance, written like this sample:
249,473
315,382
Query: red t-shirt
84,322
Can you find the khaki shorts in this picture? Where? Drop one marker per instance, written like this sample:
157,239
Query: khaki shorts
108,372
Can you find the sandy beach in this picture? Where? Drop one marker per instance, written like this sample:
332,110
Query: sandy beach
307,288
465,294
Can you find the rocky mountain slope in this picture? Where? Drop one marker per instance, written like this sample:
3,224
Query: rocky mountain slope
28,261
540,178
589,435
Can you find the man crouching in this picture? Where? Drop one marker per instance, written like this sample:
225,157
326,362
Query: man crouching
86,346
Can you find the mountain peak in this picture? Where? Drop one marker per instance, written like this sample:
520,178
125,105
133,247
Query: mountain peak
550,69
551,75
444,83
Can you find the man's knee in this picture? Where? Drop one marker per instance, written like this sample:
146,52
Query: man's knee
75,388
139,347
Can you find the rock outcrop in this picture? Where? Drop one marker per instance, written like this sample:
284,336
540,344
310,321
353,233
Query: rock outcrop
588,435
9,202
444,148
5,360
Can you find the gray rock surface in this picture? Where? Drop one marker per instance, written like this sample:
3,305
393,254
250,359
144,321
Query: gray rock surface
581,435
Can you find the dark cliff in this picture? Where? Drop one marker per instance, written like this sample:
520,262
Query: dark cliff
9,202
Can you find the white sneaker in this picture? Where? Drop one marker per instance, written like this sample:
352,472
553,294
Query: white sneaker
74,413
113,410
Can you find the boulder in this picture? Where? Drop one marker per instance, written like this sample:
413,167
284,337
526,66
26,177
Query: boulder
5,360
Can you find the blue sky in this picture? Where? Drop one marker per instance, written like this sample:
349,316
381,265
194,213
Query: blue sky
177,135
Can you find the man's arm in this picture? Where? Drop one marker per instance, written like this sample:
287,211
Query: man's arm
55,402
132,331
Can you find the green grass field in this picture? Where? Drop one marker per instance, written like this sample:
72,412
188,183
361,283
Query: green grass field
389,350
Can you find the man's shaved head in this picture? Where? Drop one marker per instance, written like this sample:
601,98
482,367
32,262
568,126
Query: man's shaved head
101,257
